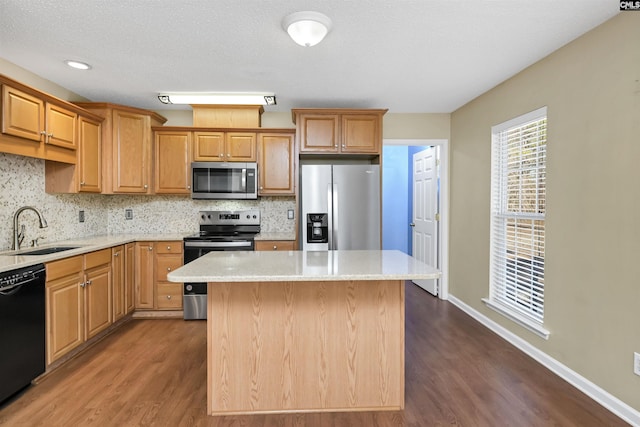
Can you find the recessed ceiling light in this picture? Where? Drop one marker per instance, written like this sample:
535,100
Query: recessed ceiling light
77,65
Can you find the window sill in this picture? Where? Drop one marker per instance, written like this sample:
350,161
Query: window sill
521,320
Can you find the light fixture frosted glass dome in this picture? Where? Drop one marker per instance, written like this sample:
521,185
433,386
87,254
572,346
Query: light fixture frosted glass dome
307,28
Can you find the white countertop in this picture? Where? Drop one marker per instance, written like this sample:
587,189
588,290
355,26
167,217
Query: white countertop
10,260
275,266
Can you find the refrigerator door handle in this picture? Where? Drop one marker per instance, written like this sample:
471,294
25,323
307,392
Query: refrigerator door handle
330,216
334,214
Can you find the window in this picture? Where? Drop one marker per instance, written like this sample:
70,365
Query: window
518,218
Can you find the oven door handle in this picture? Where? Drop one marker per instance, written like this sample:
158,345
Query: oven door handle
217,244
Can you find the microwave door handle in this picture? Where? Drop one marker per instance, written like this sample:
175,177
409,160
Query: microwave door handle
244,180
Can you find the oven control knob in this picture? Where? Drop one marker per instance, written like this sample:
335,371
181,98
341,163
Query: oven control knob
255,216
189,288
248,216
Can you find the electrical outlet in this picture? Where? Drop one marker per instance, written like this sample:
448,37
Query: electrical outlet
290,214
81,216
128,214
636,363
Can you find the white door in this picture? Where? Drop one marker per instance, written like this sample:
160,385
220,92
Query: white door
425,208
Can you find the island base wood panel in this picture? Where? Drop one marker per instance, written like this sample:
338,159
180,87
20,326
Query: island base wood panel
278,347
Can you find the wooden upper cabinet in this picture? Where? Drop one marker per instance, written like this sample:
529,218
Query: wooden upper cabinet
126,147
22,114
319,133
339,131
208,147
172,153
61,127
218,146
361,133
131,152
240,146
89,164
276,164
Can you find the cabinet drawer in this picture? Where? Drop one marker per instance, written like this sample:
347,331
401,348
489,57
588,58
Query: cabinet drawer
173,247
169,295
275,245
166,264
94,259
63,267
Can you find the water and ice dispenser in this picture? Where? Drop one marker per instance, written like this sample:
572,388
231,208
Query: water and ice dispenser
317,228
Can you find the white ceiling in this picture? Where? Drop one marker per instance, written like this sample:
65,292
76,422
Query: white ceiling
405,55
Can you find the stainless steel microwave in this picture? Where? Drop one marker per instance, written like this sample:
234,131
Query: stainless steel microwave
224,180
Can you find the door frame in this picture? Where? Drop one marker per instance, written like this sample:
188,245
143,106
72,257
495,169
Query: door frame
443,225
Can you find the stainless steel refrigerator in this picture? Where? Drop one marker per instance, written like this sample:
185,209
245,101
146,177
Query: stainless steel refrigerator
340,207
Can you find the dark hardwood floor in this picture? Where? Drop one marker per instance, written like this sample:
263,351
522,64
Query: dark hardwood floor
458,373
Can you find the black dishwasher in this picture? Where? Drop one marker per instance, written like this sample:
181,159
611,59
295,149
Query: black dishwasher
22,328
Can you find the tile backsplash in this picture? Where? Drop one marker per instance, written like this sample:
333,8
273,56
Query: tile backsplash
22,184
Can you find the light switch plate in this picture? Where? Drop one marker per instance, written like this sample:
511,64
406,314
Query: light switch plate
81,216
290,214
128,214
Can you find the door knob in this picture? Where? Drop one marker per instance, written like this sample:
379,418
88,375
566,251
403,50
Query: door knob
413,224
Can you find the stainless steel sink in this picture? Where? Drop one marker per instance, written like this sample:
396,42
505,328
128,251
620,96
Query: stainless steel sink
46,251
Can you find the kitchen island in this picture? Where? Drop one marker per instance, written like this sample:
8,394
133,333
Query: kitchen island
301,331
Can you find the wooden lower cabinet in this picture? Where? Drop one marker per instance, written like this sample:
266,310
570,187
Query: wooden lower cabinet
122,271
154,261
144,296
275,245
79,301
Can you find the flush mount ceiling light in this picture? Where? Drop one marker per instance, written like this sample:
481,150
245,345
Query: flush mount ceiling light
218,98
77,64
307,28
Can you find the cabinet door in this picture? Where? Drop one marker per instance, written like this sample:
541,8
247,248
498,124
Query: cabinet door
144,297
118,279
275,245
208,146
131,152
22,114
172,162
318,133
129,277
276,164
97,302
89,157
240,146
61,127
361,133
64,315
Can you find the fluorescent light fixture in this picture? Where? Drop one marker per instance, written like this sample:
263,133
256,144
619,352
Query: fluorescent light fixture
307,28
218,98
77,65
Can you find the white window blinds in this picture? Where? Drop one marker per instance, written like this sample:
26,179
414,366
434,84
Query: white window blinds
518,214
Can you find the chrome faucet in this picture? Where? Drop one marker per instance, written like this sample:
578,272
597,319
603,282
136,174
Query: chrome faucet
18,236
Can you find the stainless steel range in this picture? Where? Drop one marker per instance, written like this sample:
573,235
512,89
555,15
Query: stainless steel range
219,231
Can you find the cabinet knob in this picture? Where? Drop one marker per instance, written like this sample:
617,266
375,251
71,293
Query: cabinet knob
43,132
150,248
335,146
81,182
221,155
228,155
261,187
82,285
275,248
344,146
116,254
168,268
168,248
89,282
168,296
50,135
188,187
146,186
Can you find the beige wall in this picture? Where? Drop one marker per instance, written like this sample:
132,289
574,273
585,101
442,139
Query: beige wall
592,279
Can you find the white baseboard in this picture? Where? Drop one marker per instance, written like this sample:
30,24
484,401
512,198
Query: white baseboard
604,398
